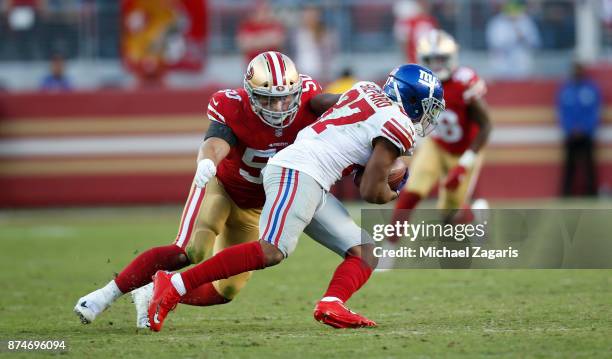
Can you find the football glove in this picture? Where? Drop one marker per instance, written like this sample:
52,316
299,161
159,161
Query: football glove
205,171
455,176
457,173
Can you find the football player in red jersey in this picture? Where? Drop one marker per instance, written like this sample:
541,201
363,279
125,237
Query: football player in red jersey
248,126
452,155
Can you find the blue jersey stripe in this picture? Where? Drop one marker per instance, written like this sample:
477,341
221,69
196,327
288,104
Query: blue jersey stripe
278,211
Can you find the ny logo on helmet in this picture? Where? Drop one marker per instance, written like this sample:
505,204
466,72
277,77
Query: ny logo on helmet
428,80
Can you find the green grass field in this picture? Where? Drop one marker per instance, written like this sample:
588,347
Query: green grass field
50,258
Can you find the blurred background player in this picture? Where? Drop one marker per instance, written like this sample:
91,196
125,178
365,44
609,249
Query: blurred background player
249,125
412,21
452,155
369,127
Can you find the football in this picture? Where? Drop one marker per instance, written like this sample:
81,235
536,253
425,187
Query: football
396,174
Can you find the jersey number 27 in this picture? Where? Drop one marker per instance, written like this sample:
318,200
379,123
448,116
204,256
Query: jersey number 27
351,108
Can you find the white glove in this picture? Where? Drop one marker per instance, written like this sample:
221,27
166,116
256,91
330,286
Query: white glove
206,170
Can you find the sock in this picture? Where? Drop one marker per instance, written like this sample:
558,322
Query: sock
204,296
350,275
177,283
142,268
406,202
112,291
463,216
229,262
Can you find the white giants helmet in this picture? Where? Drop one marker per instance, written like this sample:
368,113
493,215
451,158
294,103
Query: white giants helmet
274,87
438,51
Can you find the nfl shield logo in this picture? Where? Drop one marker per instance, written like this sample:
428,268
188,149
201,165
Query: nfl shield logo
278,132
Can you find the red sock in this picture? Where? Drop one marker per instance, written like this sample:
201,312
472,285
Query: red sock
350,275
204,296
142,268
229,262
407,200
404,206
463,216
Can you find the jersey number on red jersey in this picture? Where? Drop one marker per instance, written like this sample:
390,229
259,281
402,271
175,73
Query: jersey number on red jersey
449,129
254,161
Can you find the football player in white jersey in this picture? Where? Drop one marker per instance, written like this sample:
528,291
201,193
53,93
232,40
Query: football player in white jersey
368,127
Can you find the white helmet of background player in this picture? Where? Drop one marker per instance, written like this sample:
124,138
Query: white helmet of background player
274,87
438,50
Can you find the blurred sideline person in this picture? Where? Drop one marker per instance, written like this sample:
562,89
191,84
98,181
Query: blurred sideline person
56,80
512,35
368,127
248,126
412,21
314,45
260,32
578,109
342,83
452,155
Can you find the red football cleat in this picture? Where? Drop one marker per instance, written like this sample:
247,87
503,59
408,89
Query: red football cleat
337,315
165,299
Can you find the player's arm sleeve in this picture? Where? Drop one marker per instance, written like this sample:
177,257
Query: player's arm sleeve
215,107
397,134
221,131
313,97
475,87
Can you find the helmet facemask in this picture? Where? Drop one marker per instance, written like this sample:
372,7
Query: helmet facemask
432,108
277,109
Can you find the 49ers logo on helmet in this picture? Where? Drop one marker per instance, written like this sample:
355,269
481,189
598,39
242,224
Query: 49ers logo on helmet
280,88
250,73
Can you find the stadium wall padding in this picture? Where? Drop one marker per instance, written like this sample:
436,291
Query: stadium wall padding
116,147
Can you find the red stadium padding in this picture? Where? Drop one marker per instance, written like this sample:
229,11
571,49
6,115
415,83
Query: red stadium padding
94,190
49,106
171,117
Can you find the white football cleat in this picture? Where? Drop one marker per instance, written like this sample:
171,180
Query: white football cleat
91,305
141,298
94,303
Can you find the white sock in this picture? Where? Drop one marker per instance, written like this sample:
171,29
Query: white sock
331,299
177,282
112,291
